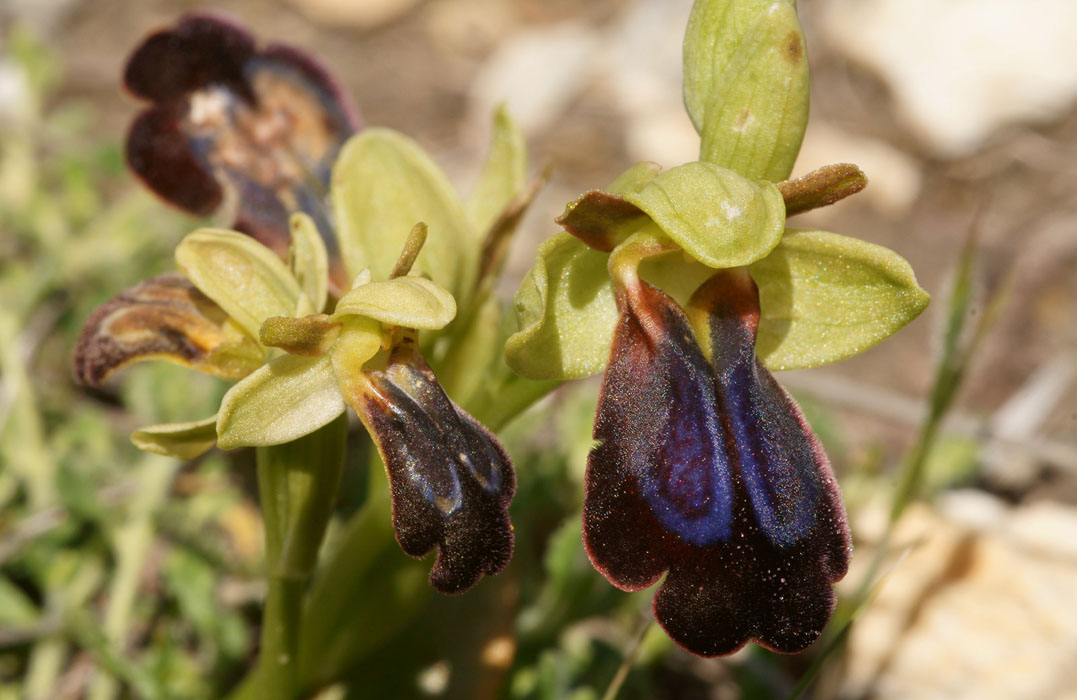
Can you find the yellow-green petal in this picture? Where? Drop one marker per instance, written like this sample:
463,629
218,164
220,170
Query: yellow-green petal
746,84
181,440
382,184
717,216
360,340
246,279
309,260
409,302
825,297
284,400
503,175
566,312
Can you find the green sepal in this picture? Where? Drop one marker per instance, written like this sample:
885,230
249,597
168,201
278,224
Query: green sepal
284,400
246,279
717,216
503,174
566,312
382,183
309,260
825,297
181,440
746,84
409,302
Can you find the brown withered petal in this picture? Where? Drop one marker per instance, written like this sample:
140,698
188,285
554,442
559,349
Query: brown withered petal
164,317
451,481
263,123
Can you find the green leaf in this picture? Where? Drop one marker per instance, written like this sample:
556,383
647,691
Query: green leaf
409,302
244,277
566,313
503,175
182,440
717,216
382,184
284,400
825,297
746,84
309,261
16,608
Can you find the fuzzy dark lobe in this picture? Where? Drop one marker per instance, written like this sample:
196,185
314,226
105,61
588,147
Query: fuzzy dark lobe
450,480
761,563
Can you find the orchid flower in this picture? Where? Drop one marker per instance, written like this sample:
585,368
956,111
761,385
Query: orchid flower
318,299
687,286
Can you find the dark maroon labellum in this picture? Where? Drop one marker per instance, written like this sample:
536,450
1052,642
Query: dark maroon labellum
451,482
707,469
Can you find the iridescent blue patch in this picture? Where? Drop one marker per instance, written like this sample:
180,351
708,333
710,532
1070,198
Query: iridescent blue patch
708,471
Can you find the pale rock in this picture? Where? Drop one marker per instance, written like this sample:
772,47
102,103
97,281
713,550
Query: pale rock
538,73
982,606
359,14
644,70
14,91
961,69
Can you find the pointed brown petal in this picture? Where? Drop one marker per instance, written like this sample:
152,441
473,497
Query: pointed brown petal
602,220
164,317
451,481
821,187
264,124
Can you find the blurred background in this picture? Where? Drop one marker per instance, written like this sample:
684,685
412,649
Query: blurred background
129,575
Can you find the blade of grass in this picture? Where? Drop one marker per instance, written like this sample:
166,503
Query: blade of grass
132,541
864,598
619,678
958,348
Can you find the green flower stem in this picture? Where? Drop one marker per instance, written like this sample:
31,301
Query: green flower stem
366,557
297,482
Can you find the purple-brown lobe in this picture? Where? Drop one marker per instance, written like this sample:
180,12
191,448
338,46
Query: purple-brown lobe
164,317
766,575
450,480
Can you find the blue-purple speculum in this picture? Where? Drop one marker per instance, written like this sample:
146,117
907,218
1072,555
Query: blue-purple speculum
706,468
